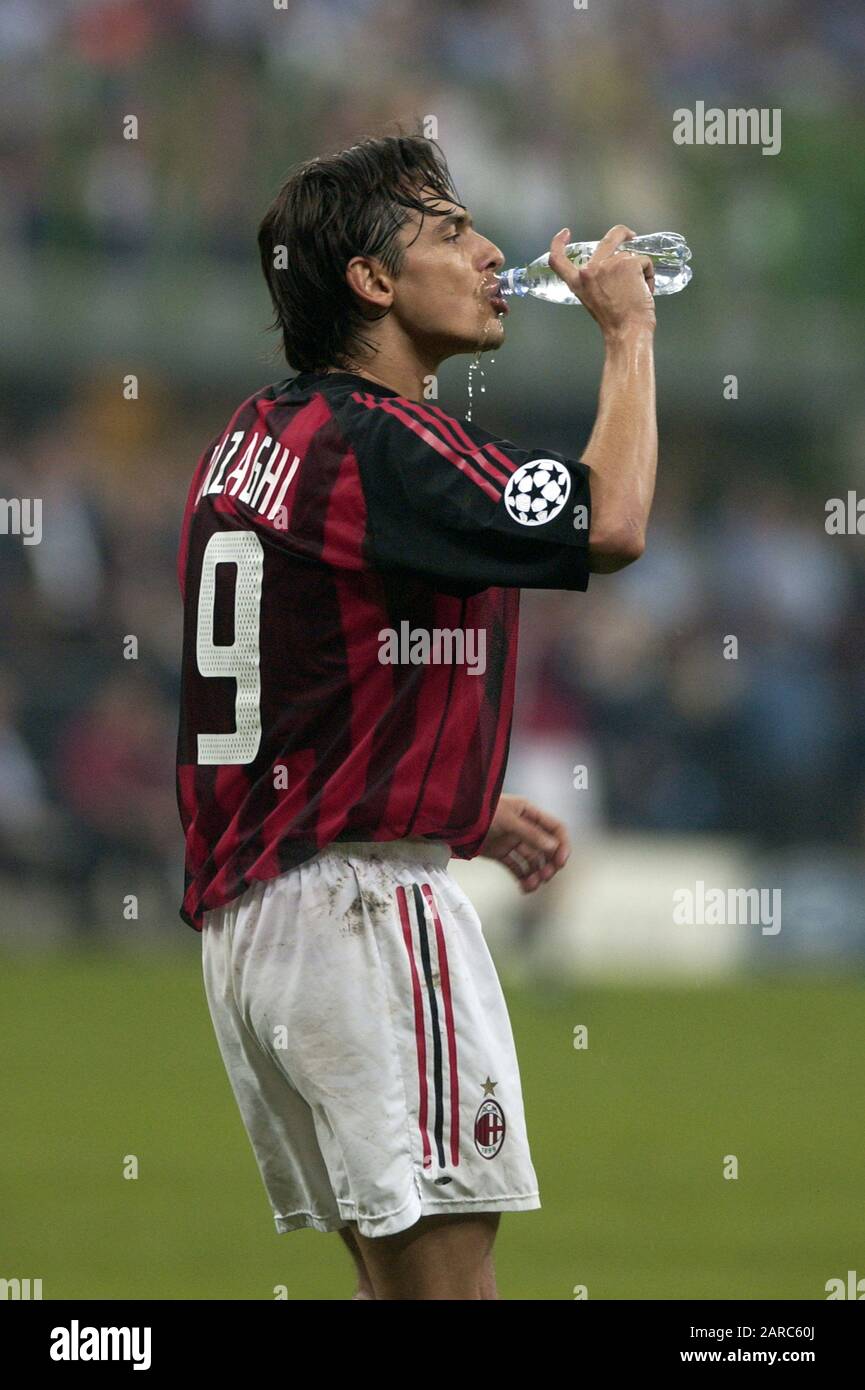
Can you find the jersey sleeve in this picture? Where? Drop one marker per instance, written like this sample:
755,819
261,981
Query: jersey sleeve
465,508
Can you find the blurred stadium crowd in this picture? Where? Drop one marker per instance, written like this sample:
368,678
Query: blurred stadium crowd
548,104
630,680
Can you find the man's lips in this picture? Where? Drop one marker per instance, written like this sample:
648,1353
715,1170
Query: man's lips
497,300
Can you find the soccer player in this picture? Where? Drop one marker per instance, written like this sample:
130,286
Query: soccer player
350,563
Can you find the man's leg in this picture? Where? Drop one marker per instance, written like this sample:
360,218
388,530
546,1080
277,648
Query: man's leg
439,1257
364,1284
489,1288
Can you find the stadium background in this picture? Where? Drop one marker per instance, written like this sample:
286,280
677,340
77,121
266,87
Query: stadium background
119,257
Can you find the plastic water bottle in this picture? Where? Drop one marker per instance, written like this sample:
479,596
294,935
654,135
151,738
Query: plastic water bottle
667,249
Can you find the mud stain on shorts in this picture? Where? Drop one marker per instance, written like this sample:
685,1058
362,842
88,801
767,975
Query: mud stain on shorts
367,906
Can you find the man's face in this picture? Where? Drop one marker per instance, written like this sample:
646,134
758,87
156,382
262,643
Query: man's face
442,294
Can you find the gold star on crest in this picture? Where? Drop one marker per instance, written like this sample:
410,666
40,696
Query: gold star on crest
489,1086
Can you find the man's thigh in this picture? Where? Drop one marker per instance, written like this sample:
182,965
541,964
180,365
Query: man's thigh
439,1257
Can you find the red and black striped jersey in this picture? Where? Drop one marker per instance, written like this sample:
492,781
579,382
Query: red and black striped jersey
350,565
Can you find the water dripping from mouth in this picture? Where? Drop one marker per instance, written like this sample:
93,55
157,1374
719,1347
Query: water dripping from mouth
474,367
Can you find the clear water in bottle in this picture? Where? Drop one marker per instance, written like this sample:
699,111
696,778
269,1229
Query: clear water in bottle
668,250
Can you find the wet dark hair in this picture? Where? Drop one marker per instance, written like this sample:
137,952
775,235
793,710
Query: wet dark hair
331,208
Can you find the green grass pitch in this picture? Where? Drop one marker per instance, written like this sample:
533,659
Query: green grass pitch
107,1056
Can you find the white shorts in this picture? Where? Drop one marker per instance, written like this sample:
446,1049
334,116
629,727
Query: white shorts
367,1042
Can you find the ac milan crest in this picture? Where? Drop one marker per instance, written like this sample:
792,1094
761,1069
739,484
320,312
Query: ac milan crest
489,1128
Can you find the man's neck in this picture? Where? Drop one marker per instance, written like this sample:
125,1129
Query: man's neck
408,379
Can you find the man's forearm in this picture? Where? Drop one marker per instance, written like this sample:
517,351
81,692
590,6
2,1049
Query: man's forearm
622,451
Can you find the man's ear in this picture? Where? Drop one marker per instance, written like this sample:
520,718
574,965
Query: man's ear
370,281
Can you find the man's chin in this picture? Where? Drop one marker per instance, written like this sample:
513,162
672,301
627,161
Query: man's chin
492,335
490,339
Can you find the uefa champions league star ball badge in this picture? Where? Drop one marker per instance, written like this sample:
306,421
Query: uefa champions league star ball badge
537,491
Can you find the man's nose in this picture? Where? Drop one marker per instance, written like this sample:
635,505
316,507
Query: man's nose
493,258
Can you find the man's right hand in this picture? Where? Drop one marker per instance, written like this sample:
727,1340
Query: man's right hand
617,290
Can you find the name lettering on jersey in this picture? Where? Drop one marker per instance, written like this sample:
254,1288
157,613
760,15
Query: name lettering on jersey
258,479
